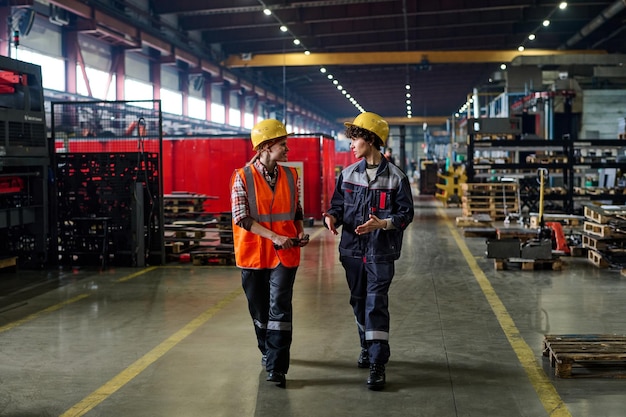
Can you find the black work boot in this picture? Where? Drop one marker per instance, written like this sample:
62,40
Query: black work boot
277,377
376,380
364,359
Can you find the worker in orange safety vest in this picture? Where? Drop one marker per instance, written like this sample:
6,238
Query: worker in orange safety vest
268,232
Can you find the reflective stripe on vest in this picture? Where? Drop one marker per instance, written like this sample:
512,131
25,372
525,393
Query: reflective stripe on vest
273,209
252,198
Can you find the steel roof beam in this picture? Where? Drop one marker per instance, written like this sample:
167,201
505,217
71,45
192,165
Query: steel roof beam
391,57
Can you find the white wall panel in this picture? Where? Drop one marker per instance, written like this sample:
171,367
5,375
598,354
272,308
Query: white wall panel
602,110
137,67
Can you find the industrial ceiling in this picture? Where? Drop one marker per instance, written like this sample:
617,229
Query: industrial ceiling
373,48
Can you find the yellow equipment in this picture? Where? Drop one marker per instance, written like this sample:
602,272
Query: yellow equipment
449,192
372,122
267,130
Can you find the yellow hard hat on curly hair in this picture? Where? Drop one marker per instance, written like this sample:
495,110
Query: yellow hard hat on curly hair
372,122
267,130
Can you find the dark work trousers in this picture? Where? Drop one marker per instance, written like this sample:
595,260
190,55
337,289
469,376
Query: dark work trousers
269,293
369,288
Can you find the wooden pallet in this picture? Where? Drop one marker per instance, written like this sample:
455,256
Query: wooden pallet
595,243
213,257
494,214
597,259
565,219
588,354
518,232
601,230
602,214
578,251
10,262
490,186
528,264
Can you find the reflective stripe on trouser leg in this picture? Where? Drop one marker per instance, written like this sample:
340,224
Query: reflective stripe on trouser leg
379,278
256,286
357,283
279,331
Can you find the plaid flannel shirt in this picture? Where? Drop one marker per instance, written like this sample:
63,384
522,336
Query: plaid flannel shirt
239,196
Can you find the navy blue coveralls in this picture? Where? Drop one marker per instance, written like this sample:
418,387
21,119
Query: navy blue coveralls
368,259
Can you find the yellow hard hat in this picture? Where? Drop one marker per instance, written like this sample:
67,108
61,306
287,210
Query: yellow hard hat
267,130
372,122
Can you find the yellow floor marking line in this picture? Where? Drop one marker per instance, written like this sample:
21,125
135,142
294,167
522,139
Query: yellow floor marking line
548,396
124,377
50,309
136,274
318,232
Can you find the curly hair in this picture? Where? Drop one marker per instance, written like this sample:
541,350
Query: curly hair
368,136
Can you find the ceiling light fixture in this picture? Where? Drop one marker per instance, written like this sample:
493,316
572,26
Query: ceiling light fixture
343,91
545,23
267,12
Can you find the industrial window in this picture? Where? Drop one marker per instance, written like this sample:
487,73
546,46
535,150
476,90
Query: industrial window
234,117
171,101
248,121
137,90
52,69
218,114
196,108
99,83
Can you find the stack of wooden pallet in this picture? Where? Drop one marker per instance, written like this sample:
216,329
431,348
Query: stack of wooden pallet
494,199
223,253
190,229
604,235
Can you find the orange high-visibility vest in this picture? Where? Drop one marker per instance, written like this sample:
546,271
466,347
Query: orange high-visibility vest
273,209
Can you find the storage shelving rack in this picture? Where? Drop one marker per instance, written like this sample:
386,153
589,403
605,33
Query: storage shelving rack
568,162
602,158
24,165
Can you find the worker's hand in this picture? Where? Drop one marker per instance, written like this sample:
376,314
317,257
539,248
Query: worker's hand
304,239
329,221
372,224
282,242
